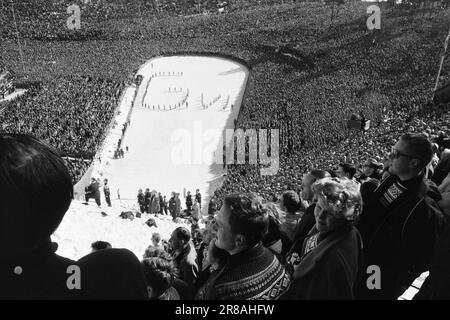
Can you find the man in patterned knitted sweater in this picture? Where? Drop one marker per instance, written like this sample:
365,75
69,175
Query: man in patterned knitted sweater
251,272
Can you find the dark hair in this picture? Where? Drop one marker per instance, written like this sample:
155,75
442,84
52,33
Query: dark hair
159,274
319,174
348,168
367,188
248,216
182,234
420,147
100,245
291,201
35,190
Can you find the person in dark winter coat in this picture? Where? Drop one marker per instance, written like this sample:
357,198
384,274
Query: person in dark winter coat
141,201
198,198
331,255
161,203
308,219
93,191
401,221
371,169
188,203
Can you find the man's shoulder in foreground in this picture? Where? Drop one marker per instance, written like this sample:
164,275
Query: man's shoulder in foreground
112,274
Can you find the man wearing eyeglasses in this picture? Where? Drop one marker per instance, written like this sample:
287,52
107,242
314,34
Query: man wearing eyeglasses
401,221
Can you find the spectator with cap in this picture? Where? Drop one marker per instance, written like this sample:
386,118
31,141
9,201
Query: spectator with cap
401,220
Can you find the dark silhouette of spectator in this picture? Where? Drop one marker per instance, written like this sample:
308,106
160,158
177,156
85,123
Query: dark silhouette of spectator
93,191
331,256
188,203
184,256
198,198
290,204
147,198
107,192
159,275
100,245
251,270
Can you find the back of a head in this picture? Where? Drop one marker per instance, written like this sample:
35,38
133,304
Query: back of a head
35,191
342,194
183,234
291,201
159,274
419,146
349,169
248,216
156,237
100,245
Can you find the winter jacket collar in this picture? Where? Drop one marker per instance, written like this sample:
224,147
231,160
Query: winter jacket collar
308,263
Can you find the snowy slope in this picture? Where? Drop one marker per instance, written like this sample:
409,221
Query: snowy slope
168,150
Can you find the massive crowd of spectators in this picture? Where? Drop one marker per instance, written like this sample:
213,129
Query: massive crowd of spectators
70,113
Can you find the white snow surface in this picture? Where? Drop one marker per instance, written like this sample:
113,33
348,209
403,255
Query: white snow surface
170,150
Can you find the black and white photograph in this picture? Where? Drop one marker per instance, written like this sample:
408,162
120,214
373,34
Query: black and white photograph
229,155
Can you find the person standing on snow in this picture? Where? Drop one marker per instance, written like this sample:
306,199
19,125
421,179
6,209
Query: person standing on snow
107,192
